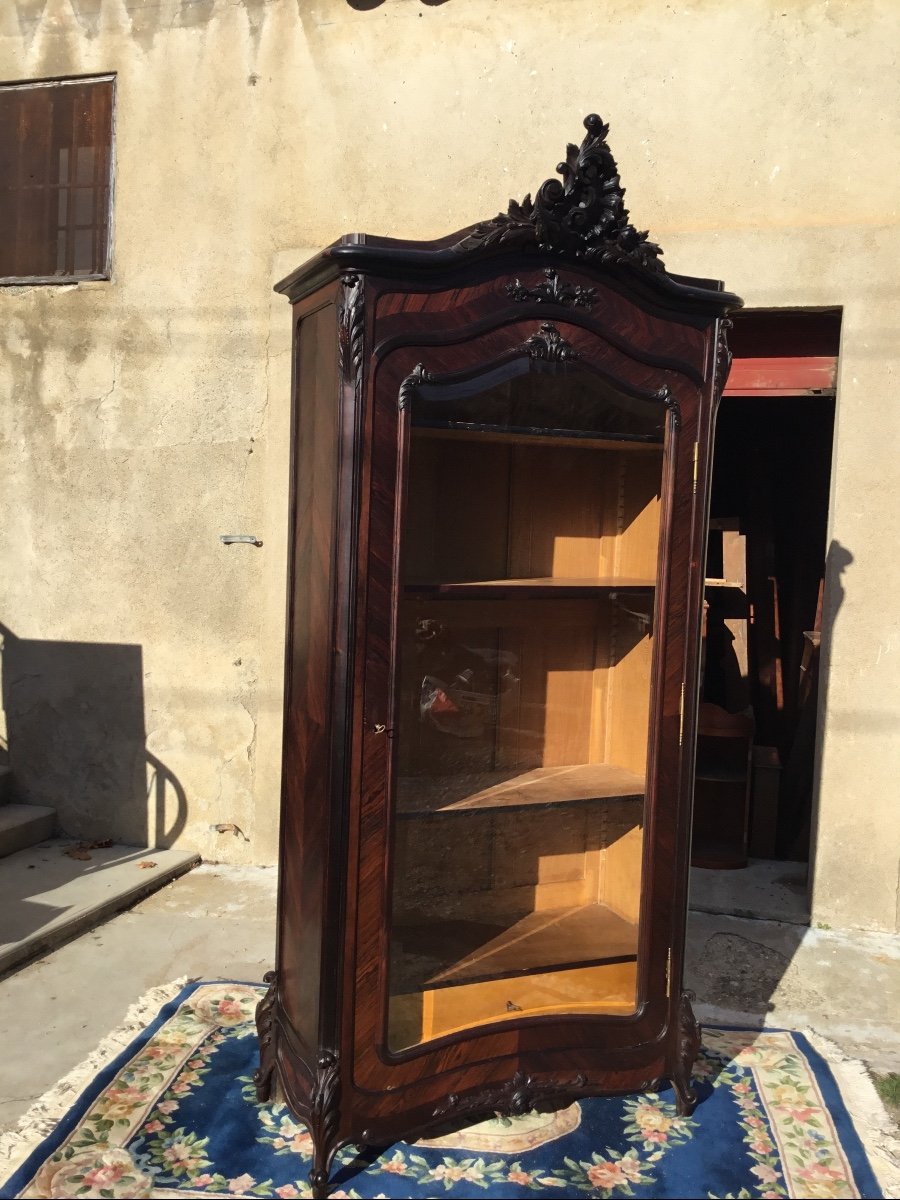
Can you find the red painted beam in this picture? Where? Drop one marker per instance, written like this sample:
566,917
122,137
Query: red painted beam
781,376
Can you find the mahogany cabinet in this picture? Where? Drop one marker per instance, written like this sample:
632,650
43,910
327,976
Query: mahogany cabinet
500,468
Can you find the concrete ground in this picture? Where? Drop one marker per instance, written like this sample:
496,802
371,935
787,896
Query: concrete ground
219,922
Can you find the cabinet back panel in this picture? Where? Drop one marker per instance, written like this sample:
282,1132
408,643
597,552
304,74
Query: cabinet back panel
488,510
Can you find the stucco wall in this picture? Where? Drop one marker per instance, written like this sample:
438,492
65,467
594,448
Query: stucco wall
146,416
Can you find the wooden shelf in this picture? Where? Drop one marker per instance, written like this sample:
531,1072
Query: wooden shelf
720,775
542,787
553,940
512,437
501,589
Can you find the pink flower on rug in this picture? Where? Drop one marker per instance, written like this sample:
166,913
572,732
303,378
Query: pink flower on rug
167,1106
743,1086
201,1180
108,1171
648,1116
756,1122
196,1062
230,1008
631,1169
761,1145
519,1177
606,1175
287,1191
153,1127
182,1154
657,1136
241,1183
106,1175
802,1114
819,1173
395,1166
765,1174
472,1174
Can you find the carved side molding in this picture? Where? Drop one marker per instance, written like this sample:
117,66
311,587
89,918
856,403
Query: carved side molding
569,295
688,1048
518,1096
417,376
671,402
584,215
351,331
723,354
263,1076
324,1119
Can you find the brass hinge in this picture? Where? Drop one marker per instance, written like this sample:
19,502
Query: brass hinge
696,464
681,717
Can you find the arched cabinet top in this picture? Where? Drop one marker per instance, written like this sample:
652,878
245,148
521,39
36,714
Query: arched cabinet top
580,219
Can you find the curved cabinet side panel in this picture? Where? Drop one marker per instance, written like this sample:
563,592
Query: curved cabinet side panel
309,667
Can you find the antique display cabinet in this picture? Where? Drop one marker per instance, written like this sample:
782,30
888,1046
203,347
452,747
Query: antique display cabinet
501,456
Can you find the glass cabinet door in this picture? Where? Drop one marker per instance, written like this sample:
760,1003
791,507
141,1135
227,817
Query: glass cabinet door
529,549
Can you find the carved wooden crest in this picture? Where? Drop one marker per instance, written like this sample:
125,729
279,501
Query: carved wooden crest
584,215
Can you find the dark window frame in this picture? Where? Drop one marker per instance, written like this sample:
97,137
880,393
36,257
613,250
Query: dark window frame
69,195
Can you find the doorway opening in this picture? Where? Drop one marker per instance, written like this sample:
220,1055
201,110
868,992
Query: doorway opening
756,741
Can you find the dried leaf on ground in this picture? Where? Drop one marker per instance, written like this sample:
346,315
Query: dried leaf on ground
82,850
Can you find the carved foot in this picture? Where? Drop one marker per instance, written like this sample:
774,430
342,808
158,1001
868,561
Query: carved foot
318,1181
263,1077
685,1097
688,1049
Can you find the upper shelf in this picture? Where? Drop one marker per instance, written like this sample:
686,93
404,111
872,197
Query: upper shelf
542,786
499,589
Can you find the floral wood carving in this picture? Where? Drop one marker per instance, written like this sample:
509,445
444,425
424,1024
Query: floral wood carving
263,1075
548,343
519,1095
584,215
552,292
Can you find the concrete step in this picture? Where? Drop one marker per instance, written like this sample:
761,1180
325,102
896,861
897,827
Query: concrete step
47,897
24,825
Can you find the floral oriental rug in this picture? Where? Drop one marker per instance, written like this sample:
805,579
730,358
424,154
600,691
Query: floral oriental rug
174,1114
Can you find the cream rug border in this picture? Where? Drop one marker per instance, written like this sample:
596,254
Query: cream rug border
48,1110
871,1120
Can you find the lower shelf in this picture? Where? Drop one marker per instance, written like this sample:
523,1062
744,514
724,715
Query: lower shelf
607,989
554,940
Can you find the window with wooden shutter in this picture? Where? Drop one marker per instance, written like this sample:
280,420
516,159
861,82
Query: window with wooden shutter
55,179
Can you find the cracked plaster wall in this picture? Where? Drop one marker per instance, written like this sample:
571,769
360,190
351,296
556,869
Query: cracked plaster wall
145,416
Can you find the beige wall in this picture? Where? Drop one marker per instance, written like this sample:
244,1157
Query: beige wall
146,416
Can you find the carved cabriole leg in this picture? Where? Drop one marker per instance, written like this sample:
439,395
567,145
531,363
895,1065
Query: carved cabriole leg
687,1050
264,1075
323,1121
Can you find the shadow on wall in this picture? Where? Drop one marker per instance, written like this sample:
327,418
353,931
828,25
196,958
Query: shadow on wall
76,735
